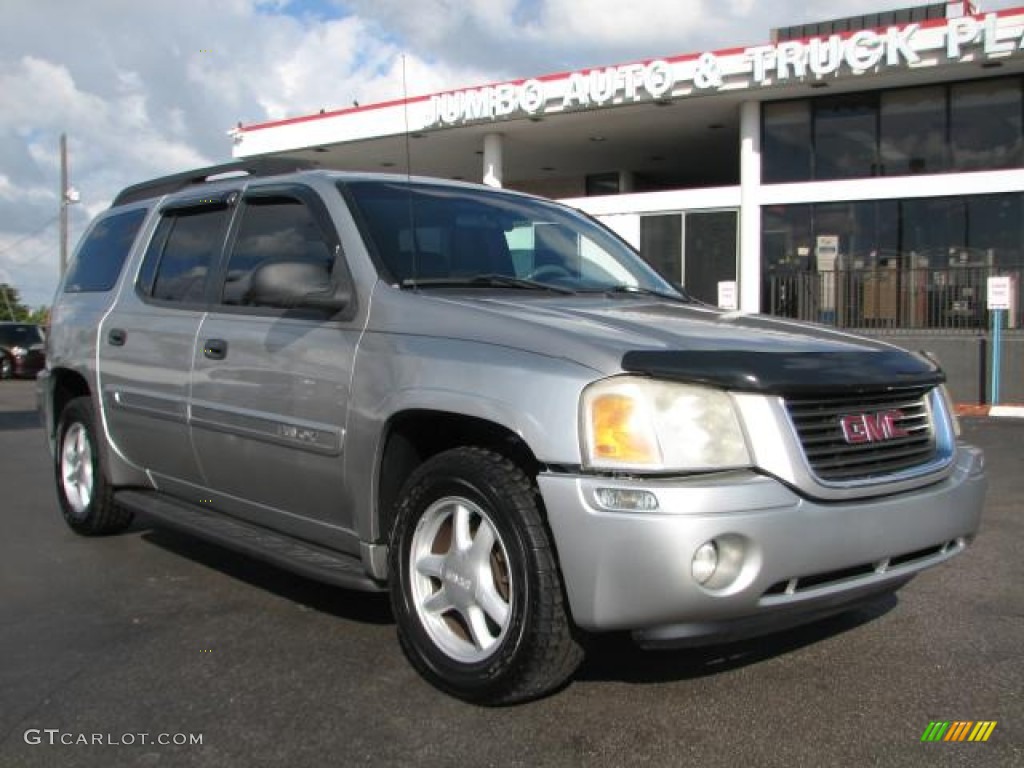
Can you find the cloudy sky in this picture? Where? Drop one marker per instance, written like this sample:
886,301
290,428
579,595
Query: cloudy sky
148,87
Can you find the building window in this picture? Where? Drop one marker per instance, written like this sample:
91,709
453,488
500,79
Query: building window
914,263
598,184
985,122
661,243
786,142
913,131
846,136
971,126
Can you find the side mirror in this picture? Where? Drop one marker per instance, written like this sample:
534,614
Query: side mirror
297,284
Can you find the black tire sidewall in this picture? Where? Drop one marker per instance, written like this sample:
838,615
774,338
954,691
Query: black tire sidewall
488,678
79,411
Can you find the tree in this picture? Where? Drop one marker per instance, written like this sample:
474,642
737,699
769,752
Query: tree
40,316
11,307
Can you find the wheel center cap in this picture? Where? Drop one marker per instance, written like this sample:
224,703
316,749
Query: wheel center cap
456,577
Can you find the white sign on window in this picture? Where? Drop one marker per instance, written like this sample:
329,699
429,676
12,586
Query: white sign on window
999,292
727,295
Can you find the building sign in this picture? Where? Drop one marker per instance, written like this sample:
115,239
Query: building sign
861,52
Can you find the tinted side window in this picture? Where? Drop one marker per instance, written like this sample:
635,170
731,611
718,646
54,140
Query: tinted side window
101,256
272,229
179,258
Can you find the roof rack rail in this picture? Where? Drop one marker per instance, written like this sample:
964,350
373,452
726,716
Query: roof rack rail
165,185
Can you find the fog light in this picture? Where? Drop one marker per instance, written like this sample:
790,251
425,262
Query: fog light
626,500
705,562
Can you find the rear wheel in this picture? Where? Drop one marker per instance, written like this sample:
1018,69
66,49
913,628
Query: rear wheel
6,368
475,588
86,498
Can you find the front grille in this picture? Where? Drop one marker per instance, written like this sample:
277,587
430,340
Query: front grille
831,454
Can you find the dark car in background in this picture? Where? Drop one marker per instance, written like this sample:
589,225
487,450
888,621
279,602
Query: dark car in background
22,350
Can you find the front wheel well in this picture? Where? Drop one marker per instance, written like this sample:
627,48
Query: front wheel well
413,437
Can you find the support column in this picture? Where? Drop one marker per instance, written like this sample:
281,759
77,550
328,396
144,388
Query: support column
494,144
750,207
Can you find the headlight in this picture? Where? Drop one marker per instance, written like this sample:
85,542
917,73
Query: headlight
658,426
19,351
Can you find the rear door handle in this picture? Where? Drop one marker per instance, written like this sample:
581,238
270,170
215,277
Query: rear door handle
116,337
215,349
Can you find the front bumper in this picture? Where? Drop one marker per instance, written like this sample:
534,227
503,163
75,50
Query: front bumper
784,559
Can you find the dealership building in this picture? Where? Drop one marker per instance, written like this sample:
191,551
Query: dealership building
864,172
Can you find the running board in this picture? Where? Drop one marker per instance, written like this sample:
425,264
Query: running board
308,560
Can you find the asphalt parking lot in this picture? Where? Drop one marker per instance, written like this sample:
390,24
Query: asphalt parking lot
153,633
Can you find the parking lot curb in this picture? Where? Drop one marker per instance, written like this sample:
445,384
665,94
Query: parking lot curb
1007,411
994,411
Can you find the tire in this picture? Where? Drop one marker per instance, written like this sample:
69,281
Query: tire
475,586
86,497
6,368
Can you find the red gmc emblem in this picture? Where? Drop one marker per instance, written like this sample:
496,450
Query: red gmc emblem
861,428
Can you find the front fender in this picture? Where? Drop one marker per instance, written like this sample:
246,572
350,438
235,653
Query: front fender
533,396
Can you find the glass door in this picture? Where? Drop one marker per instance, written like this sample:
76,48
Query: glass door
661,243
710,252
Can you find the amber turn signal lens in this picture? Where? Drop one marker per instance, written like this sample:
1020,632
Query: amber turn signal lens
620,433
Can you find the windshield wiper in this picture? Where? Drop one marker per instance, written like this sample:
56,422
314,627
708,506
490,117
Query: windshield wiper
485,281
640,291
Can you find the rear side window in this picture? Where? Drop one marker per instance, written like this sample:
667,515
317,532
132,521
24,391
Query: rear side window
178,261
20,335
103,252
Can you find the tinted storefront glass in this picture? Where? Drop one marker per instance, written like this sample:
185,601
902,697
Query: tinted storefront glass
846,136
786,145
985,124
959,127
915,263
912,128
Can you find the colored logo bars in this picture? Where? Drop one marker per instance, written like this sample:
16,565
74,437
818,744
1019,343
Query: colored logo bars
958,730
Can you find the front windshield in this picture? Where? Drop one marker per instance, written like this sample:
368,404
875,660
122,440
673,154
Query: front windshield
437,235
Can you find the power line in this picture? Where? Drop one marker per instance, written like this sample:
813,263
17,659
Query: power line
29,236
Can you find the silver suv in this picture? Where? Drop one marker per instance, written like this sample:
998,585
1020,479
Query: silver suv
489,405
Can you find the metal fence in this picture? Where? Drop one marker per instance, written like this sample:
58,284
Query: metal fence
884,297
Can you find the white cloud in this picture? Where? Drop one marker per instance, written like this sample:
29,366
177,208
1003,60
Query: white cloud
654,23
147,88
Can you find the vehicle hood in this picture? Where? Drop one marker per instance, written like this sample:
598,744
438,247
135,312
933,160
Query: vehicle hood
667,339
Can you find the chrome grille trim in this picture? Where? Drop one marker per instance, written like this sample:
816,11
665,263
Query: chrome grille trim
831,459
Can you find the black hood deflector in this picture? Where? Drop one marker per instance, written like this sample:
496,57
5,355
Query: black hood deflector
789,373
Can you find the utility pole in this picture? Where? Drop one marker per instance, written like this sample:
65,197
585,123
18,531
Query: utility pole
68,196
63,203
